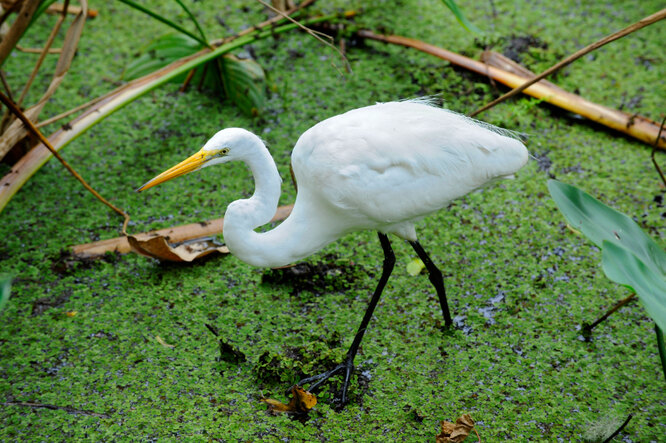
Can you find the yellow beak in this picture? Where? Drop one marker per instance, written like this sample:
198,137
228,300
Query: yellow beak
188,165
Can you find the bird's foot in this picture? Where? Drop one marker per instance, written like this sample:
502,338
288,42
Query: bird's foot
345,368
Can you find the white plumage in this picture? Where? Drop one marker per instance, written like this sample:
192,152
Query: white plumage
381,167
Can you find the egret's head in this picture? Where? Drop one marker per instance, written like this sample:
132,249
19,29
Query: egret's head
227,145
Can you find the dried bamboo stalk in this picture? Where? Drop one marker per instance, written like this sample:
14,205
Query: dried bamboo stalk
175,234
636,126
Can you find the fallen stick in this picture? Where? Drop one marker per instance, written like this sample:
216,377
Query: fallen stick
636,126
175,234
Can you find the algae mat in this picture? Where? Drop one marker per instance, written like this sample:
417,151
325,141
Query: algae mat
119,347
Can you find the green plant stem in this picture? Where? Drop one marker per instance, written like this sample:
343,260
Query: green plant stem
587,329
662,348
166,21
194,20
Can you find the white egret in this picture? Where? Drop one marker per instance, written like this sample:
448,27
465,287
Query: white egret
381,167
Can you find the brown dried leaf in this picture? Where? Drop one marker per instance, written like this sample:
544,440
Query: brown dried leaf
301,402
456,432
158,247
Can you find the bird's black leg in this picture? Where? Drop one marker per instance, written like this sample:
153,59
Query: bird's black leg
436,279
348,364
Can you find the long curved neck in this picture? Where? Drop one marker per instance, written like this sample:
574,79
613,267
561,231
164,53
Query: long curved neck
280,246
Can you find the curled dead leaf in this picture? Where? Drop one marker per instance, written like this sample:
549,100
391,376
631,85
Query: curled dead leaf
458,431
159,247
301,402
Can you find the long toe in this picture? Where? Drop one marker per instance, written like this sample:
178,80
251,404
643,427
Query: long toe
315,382
349,368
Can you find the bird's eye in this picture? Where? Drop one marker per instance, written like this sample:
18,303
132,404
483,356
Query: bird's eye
224,151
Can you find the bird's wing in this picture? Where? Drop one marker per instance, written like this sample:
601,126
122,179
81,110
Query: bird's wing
399,161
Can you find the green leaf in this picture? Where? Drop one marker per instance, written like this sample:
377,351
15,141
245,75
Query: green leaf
43,6
415,267
599,223
5,288
193,19
161,52
244,83
623,267
453,7
662,348
165,20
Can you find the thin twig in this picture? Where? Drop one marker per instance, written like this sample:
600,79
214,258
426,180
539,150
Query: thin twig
654,149
187,81
45,51
317,35
587,329
31,127
578,54
271,21
37,50
6,85
218,42
614,434
70,112
67,409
